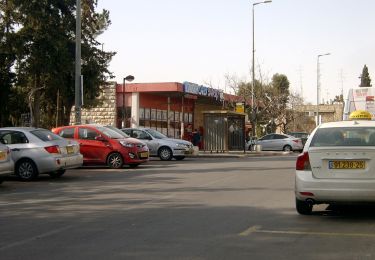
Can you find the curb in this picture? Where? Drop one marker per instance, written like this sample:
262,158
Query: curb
239,154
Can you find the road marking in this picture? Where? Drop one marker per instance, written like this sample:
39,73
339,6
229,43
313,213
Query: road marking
250,230
257,229
31,239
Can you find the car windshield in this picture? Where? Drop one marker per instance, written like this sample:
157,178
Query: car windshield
46,135
155,134
110,132
344,136
117,131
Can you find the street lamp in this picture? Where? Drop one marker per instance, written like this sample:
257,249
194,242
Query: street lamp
129,78
318,86
253,65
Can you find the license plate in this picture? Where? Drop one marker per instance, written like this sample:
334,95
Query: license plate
3,156
144,155
69,149
346,164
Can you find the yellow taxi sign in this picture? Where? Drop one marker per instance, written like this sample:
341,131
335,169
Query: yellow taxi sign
360,115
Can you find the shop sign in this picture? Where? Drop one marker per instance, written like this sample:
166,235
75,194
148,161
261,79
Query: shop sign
240,107
200,90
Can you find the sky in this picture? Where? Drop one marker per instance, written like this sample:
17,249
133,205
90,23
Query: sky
201,41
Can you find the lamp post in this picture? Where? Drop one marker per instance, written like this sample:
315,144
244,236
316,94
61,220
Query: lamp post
318,86
129,78
253,70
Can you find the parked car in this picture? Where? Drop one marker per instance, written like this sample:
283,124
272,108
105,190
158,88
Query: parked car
337,165
105,145
6,162
302,135
280,142
37,150
160,145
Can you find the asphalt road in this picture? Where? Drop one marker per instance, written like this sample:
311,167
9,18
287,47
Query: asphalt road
199,208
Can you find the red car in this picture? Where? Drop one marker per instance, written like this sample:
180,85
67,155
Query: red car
105,145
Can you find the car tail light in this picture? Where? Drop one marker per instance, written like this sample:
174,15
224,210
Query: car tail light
297,141
52,149
303,162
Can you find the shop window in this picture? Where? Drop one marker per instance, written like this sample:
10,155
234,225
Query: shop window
171,116
153,114
177,116
164,115
141,113
147,114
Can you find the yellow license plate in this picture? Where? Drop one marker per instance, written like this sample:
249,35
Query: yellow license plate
3,156
347,164
144,155
69,149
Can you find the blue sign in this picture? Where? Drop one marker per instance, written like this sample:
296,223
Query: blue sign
201,90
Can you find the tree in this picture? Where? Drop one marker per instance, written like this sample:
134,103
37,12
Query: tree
365,78
45,56
7,57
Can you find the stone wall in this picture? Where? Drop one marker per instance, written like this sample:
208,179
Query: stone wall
105,114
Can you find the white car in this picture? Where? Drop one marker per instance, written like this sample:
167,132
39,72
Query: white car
160,145
6,162
337,165
37,150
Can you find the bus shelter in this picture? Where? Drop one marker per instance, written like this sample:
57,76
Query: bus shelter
223,131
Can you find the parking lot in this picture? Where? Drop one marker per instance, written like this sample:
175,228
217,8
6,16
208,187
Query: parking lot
199,208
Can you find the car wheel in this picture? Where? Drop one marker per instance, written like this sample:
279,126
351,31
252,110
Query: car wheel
165,154
26,170
134,165
179,158
57,174
115,161
303,207
287,148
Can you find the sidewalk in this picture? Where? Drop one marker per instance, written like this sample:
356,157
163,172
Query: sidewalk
239,154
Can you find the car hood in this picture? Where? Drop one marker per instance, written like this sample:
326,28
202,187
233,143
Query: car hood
131,140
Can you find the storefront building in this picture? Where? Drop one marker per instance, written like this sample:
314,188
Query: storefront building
175,109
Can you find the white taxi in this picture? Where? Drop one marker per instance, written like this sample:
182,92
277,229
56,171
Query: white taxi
6,162
337,164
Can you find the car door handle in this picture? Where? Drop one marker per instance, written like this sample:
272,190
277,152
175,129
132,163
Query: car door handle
15,150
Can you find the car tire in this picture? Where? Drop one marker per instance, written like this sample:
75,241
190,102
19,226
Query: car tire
134,165
303,207
287,148
57,174
165,154
1,180
115,161
179,158
26,170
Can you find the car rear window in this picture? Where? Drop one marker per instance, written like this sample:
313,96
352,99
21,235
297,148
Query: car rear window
46,135
344,136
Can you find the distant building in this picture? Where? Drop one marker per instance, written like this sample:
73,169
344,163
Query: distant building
328,113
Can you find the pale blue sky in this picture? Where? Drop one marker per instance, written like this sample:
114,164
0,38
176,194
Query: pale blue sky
202,40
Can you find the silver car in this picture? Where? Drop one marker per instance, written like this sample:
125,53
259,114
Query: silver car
280,142
160,145
37,150
6,162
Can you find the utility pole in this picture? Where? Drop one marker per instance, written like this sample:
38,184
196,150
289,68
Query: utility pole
78,65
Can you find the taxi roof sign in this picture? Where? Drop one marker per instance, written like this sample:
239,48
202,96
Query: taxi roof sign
360,115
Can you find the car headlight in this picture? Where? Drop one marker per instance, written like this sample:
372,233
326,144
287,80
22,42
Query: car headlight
126,144
181,145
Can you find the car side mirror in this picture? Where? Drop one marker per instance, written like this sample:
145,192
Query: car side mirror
100,138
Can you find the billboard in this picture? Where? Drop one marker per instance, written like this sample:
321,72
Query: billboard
362,98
